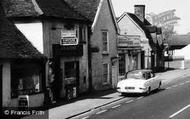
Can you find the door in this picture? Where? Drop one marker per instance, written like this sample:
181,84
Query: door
71,76
150,80
153,80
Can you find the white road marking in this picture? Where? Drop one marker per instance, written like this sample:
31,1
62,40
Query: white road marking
139,97
174,86
168,87
87,117
181,110
129,101
115,106
181,84
102,111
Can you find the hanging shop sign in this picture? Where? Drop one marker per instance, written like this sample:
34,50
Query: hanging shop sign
69,37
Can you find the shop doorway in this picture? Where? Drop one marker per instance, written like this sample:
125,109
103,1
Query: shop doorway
71,77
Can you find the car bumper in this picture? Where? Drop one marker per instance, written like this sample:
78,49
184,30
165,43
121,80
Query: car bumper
131,90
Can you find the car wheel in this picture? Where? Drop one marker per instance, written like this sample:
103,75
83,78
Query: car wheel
148,91
159,86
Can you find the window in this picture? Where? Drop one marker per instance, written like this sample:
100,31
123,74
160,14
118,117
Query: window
105,73
26,79
105,41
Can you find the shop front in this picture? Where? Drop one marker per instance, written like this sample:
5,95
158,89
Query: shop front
70,64
23,78
129,49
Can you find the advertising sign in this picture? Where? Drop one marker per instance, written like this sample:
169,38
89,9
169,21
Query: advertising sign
69,37
69,41
69,33
129,42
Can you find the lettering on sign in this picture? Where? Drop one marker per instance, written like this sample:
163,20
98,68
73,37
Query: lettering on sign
69,37
69,41
129,42
68,33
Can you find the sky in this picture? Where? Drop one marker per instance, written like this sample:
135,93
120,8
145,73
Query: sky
157,6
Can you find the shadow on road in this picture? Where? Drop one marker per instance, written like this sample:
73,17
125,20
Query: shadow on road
142,94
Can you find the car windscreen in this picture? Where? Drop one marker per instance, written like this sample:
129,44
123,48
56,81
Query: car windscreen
135,75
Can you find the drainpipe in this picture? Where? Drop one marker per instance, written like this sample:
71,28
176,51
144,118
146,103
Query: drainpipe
89,60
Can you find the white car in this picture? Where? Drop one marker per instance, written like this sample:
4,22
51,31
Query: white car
139,81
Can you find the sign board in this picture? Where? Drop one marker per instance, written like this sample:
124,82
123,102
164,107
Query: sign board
69,37
129,42
68,33
69,41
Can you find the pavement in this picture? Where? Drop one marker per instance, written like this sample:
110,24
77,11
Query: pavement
97,101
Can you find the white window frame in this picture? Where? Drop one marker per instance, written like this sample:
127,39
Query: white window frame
108,74
107,38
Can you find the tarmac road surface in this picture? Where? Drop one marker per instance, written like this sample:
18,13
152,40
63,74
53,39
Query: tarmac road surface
173,102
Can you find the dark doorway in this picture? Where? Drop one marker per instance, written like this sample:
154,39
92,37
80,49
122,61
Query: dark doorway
71,75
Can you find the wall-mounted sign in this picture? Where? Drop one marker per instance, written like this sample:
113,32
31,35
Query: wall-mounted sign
69,37
129,42
69,33
69,41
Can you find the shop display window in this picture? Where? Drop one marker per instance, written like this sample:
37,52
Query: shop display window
26,79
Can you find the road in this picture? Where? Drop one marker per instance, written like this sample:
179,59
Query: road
172,102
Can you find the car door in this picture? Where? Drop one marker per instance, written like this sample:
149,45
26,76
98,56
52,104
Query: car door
151,80
154,80
148,80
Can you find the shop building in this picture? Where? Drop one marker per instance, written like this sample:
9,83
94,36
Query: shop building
137,26
129,50
62,38
103,59
22,67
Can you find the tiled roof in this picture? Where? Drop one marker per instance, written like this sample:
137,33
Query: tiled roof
87,8
13,44
143,27
19,8
141,24
35,8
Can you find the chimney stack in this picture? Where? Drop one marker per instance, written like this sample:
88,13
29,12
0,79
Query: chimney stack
140,12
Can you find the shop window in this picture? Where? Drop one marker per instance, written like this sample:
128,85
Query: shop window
26,79
105,41
105,73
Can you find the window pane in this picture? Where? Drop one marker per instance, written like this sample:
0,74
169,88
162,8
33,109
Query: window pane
105,41
25,79
105,73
